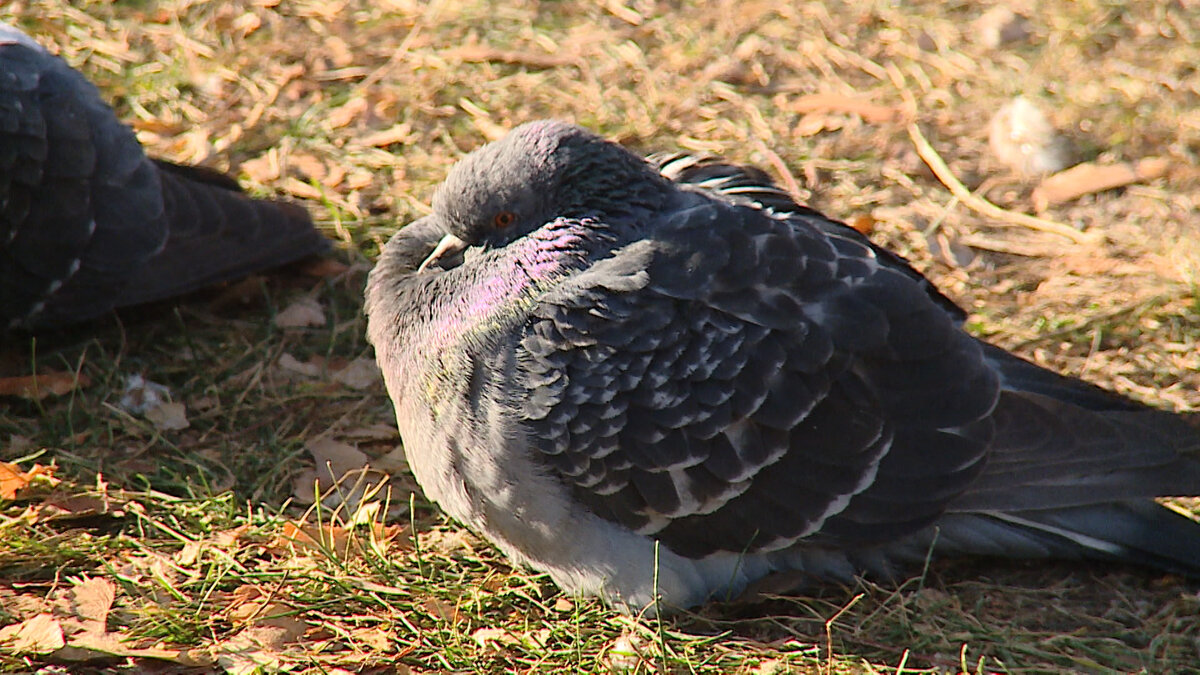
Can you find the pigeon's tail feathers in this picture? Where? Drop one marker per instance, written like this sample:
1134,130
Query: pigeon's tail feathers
218,233
1017,374
1139,532
1047,453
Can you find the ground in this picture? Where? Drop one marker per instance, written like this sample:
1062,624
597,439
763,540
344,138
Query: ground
173,550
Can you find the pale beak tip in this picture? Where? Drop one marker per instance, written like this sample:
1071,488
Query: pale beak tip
447,244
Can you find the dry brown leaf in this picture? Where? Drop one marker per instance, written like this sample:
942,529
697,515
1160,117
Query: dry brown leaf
298,188
863,222
330,537
91,598
264,168
361,373
442,610
337,456
303,313
13,479
38,387
310,166
293,365
90,646
400,133
168,416
40,635
1088,178
872,113
70,506
376,638
494,636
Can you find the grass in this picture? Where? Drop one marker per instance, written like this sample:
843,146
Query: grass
362,107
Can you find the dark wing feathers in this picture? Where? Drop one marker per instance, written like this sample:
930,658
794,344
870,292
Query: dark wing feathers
749,186
745,389
88,223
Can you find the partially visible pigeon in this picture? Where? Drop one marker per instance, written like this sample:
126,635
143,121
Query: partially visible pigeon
623,371
89,223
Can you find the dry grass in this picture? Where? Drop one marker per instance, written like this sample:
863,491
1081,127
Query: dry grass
360,107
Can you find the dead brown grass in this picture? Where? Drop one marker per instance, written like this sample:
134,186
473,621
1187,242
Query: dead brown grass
359,107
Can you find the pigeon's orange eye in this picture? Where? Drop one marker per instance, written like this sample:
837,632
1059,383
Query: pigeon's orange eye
504,219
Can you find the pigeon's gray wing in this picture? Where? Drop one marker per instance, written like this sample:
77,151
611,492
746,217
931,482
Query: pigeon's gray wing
749,185
739,382
88,223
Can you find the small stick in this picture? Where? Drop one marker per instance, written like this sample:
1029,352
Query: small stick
781,168
947,177
981,205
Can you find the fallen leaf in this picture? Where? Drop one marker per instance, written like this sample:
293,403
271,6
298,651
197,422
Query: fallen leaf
1089,177
332,538
626,653
376,638
40,635
13,479
91,598
442,610
293,365
256,649
311,167
335,455
141,395
485,636
371,432
863,222
400,133
361,373
303,313
264,168
99,646
39,386
168,416
840,103
298,188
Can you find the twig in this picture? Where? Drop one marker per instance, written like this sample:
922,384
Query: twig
981,205
780,167
947,177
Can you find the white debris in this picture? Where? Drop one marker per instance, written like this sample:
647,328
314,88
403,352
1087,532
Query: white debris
1023,139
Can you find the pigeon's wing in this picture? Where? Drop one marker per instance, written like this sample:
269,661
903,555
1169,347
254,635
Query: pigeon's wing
88,222
750,185
217,233
64,231
738,381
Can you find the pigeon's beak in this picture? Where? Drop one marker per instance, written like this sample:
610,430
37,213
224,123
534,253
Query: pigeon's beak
449,244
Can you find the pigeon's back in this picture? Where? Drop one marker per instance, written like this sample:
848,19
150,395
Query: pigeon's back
89,223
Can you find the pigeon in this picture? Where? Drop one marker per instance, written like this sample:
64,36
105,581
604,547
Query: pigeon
88,223
664,381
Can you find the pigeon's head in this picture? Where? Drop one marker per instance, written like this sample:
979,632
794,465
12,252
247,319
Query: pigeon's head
539,172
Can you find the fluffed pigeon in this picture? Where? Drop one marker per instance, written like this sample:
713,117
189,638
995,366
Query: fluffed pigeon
89,223
622,371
